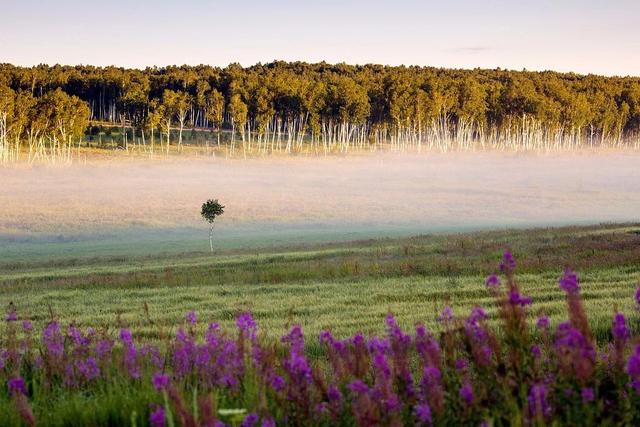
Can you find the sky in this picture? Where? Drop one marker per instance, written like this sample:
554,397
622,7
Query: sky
584,36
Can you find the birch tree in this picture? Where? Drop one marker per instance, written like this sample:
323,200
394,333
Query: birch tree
211,209
7,103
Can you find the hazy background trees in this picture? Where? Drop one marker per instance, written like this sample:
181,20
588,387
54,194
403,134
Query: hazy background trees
279,105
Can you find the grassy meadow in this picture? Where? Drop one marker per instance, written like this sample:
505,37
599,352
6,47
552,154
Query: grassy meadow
344,287
339,287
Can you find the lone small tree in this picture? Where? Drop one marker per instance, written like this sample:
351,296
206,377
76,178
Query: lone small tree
211,209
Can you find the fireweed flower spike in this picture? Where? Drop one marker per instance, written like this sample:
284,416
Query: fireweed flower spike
27,326
542,322
621,335
247,325
516,299
535,350
539,407
17,386
250,420
160,381
576,355
587,395
569,282
633,369
157,418
53,340
462,365
492,282
619,329
191,318
571,285
508,264
466,393
423,414
446,315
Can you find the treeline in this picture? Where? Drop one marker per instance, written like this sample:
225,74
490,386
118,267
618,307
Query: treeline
280,106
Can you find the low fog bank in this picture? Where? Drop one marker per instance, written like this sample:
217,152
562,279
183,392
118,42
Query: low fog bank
385,191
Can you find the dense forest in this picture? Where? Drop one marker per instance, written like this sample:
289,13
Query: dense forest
281,106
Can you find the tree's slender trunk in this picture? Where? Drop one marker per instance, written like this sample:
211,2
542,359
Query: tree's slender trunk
211,237
168,135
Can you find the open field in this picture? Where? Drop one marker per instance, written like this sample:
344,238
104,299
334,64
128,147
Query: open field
343,287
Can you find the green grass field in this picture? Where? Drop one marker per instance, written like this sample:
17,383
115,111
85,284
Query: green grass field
341,286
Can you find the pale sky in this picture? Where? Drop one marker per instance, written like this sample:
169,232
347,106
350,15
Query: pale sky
585,36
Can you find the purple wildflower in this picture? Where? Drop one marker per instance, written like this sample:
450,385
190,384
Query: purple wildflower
160,381
535,350
12,316
334,394
268,422
466,393
17,386
619,328
191,317
69,375
157,418
103,349
377,344
278,383
130,354
322,409
462,365
446,315
477,314
154,355
538,405
27,326
326,337
587,395
508,263
247,325
428,347
569,282
576,354
423,413
53,339
4,355
183,354
295,339
125,336
250,420
88,368
432,389
542,322
358,386
297,368
633,369
516,299
492,282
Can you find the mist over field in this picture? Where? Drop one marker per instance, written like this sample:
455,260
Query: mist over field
431,192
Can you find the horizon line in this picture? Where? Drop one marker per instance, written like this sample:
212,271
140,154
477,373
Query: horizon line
354,64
